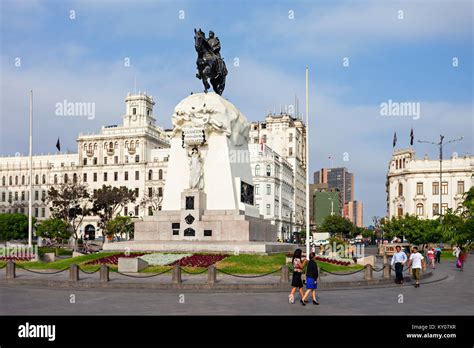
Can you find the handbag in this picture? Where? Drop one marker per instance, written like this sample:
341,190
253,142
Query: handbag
458,263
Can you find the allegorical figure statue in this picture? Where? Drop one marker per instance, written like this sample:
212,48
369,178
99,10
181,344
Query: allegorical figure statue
195,169
210,64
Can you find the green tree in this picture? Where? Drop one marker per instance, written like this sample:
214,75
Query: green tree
54,229
109,201
413,229
120,226
334,225
14,226
70,202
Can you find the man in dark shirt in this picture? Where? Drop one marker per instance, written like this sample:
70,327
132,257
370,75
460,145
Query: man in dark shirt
312,276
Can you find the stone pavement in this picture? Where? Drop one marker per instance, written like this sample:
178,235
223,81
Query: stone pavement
449,296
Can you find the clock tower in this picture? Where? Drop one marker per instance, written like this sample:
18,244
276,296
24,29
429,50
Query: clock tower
139,110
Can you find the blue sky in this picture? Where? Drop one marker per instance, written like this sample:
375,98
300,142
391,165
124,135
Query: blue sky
407,59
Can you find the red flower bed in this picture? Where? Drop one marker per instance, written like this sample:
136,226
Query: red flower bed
199,260
16,258
113,259
333,261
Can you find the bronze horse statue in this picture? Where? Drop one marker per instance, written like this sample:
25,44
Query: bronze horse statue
209,63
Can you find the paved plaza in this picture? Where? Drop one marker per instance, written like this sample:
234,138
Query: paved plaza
452,295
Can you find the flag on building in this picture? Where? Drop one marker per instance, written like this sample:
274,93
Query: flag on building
58,145
411,137
394,139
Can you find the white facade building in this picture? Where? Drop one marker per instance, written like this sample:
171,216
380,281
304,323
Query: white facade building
135,154
413,185
286,135
273,179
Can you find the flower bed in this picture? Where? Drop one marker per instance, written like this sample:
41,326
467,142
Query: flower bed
113,259
333,261
16,258
160,259
199,260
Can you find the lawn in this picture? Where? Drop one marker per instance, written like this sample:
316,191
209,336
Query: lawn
235,264
447,255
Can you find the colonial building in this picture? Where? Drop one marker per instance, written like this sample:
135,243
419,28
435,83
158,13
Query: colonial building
135,154
286,135
413,185
273,179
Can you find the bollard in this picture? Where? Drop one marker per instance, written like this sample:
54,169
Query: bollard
176,275
385,259
11,269
104,273
285,274
387,271
73,273
368,272
211,274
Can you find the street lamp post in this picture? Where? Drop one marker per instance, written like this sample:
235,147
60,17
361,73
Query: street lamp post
440,145
332,205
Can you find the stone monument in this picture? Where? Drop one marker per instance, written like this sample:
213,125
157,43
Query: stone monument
208,202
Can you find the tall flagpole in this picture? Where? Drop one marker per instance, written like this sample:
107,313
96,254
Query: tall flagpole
30,207
307,167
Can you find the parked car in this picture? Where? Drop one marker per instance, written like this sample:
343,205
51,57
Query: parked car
322,241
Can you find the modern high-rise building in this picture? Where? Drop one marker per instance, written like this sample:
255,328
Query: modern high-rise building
325,202
339,179
354,211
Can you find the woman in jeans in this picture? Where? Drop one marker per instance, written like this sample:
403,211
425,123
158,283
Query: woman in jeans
296,282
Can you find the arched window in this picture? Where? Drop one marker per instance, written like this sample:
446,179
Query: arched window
74,178
116,144
4,181
22,179
419,209
160,174
95,146
137,143
132,144
44,179
111,145
105,145
55,179
269,170
150,174
257,170
37,179
126,144
396,164
400,190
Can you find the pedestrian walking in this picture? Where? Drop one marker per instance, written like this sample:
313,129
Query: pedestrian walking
296,281
462,256
398,261
431,258
312,277
438,254
417,264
